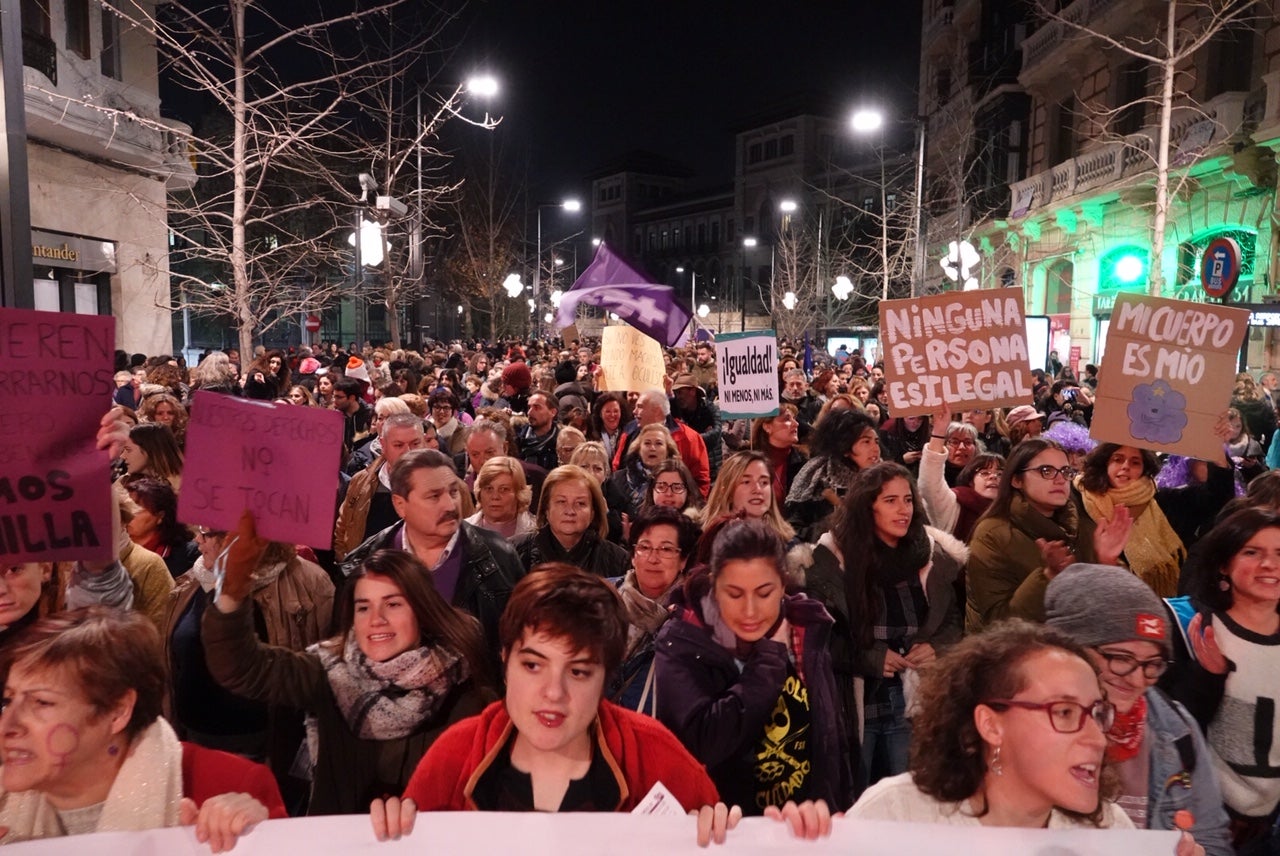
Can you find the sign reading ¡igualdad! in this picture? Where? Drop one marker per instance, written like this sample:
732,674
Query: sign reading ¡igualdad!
747,373
965,348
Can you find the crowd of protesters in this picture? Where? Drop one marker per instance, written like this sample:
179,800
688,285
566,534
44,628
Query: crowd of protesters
546,594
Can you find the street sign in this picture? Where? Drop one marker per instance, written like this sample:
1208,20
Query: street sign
1220,267
313,323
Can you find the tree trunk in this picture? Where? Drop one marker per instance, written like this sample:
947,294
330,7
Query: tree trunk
1155,275
245,319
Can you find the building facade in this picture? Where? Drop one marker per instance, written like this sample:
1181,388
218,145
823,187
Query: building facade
1069,159
101,161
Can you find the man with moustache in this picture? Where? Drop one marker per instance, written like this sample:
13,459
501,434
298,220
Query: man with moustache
472,568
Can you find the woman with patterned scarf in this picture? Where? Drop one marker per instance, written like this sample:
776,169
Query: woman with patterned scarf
1163,518
404,666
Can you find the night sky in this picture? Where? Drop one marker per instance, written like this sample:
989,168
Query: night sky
585,81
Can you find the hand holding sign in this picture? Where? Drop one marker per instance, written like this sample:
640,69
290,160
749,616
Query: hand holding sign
243,554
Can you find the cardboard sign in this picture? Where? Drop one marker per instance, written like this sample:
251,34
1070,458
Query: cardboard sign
570,334
965,348
630,361
279,461
747,373
590,833
55,486
1169,372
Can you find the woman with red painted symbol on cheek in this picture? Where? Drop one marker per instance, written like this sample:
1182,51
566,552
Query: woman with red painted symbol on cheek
85,749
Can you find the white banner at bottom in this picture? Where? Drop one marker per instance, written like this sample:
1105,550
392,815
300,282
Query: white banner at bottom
536,834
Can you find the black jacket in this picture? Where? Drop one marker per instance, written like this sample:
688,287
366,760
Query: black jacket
602,558
720,712
490,570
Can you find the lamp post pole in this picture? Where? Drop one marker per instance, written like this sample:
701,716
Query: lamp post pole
537,275
917,270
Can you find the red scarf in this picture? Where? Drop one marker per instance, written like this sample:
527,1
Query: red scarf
1127,732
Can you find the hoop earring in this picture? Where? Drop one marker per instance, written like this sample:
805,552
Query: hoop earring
996,766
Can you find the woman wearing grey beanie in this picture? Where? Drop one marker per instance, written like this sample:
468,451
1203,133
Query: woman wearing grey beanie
1154,745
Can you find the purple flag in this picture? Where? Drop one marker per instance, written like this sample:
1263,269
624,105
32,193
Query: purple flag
612,284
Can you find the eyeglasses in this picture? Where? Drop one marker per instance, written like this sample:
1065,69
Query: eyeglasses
666,551
444,407
205,532
1049,473
1066,717
674,487
957,441
1125,664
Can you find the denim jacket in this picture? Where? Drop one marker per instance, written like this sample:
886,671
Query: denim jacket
1176,743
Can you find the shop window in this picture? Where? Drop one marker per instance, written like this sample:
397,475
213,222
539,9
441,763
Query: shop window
1058,287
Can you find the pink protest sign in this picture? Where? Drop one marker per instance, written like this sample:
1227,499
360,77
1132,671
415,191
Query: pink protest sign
55,487
279,461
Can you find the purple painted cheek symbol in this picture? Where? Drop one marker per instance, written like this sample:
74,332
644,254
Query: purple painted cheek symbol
1158,413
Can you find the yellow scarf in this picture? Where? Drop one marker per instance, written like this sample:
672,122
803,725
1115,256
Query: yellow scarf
1154,551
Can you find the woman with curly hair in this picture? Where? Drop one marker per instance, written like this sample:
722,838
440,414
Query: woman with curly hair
165,409
1164,519
843,443
1011,730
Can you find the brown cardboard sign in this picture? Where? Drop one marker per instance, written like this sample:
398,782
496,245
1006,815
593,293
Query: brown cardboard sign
1169,372
630,361
965,348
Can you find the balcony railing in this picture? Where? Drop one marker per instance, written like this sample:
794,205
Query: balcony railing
40,53
1056,34
1112,163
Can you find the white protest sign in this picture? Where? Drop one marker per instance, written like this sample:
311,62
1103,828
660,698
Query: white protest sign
747,372
630,361
588,834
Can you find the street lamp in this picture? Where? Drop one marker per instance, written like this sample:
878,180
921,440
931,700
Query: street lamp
482,85
572,206
869,120
748,243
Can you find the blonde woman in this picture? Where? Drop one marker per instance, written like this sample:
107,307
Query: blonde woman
567,442
504,499
651,446
745,485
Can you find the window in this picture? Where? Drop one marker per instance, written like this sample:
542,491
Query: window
1131,87
702,236
1060,136
754,153
715,234
35,17
942,84
771,149
891,200
110,58
78,27
787,145
688,236
1229,61
728,230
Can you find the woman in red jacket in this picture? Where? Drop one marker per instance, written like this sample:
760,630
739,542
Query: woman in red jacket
554,743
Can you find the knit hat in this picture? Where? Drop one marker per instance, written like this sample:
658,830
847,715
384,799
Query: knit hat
356,369
518,376
1103,604
309,365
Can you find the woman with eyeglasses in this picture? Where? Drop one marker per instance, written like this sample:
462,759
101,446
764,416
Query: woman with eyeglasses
292,604
1227,666
1164,519
1154,746
662,542
1011,731
955,509
1030,532
960,442
672,486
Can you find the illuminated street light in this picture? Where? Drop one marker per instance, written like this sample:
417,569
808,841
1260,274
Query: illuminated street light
704,310
370,243
843,288
556,297
788,206
513,285
483,85
789,300
867,120
749,242
573,206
